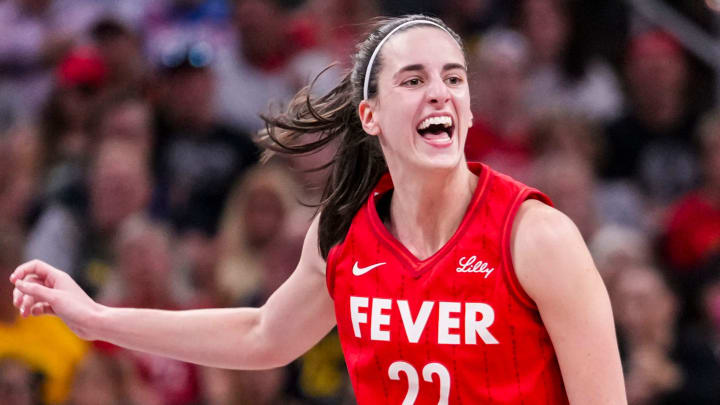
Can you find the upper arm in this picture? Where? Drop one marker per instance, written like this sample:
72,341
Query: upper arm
300,312
556,270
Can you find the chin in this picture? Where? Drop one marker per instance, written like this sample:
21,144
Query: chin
440,161
440,158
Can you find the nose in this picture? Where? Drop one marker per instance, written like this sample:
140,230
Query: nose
437,92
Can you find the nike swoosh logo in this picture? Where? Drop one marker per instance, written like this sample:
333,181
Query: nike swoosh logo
359,271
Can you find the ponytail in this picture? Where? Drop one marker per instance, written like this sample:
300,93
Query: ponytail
357,165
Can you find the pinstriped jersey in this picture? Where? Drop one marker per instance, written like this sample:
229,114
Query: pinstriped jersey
455,328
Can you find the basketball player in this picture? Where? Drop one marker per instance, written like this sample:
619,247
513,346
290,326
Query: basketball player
449,283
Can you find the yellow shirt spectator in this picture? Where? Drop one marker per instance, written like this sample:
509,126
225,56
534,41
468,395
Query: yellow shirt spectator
48,346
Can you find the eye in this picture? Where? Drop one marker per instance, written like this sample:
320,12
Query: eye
454,80
413,82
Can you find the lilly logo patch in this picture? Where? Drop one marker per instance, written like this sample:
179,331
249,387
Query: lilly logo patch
473,265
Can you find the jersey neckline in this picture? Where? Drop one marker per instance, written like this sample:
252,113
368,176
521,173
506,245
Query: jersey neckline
414,265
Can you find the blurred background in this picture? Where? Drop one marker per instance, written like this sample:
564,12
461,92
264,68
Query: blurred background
126,159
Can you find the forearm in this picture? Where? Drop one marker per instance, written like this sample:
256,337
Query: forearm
227,338
293,319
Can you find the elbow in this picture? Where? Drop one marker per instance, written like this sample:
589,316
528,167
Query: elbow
274,353
263,356
264,347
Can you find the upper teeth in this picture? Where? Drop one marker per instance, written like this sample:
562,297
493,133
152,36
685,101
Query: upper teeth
444,121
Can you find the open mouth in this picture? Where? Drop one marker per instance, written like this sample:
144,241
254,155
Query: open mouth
437,129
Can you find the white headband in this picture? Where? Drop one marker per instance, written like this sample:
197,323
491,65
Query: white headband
377,49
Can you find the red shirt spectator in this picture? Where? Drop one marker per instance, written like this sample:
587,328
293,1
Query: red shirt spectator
694,231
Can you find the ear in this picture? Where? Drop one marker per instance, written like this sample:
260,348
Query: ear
367,117
472,118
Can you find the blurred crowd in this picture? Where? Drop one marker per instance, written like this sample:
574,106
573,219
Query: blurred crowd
127,160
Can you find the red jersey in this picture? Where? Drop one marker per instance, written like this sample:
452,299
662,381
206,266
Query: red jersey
455,328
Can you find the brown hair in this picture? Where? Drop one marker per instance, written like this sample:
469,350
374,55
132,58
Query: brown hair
358,163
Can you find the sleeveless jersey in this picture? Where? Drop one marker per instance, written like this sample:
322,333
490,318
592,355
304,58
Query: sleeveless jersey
455,328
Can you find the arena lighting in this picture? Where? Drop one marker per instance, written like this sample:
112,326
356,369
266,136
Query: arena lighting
713,5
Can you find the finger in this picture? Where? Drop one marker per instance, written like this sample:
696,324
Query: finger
48,309
22,270
37,291
27,302
35,267
32,278
17,297
41,308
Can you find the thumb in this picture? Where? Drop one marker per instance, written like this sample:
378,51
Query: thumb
39,292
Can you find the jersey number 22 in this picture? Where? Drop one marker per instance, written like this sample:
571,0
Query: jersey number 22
414,381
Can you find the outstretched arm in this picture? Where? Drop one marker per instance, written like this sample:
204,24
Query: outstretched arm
555,268
294,318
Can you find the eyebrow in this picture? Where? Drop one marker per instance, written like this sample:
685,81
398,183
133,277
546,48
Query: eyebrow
418,66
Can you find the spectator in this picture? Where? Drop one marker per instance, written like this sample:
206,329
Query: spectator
19,175
258,387
199,260
168,25
692,235
273,57
262,210
564,74
561,132
144,277
646,314
198,157
569,181
653,143
471,18
76,230
614,202
18,384
108,378
338,25
125,117
259,219
615,248
80,78
143,269
697,349
36,33
121,49
502,126
320,375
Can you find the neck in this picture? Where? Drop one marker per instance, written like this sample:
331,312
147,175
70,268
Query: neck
427,209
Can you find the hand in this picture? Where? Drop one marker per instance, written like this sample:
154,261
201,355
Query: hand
42,289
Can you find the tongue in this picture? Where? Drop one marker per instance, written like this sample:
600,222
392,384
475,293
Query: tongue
437,137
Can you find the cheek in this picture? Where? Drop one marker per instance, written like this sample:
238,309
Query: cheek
395,119
463,108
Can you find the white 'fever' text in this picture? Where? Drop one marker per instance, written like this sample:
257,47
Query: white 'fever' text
478,318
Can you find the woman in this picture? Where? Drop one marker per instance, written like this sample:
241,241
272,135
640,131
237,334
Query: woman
516,314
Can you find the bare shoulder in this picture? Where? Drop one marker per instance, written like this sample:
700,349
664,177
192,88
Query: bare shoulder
539,224
311,261
547,249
